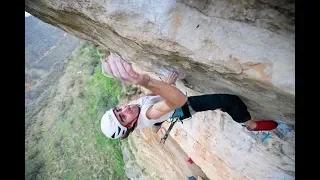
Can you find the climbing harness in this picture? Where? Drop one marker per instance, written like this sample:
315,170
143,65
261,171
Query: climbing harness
172,120
178,113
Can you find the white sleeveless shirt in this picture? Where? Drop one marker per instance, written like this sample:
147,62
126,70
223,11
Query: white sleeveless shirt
145,102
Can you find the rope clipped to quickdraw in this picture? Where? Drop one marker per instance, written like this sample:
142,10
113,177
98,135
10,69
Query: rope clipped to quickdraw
172,120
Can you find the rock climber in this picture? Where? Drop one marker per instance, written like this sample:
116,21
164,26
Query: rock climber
158,106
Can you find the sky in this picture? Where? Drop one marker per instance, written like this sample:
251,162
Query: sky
26,14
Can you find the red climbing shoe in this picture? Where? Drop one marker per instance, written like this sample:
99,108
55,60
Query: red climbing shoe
264,125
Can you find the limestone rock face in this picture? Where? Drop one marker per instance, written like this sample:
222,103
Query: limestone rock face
240,47
220,147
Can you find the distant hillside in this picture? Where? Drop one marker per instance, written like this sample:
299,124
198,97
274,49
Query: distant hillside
45,45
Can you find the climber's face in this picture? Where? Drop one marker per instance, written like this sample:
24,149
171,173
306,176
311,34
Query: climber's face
126,114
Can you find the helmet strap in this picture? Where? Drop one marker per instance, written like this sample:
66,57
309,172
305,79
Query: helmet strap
133,121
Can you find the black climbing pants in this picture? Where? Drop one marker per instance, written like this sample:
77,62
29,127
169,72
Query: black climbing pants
231,104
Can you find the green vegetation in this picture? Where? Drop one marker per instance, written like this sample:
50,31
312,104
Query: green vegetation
45,46
63,137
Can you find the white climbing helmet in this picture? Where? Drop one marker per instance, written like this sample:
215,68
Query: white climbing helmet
110,125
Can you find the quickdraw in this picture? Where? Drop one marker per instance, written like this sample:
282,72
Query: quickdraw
173,119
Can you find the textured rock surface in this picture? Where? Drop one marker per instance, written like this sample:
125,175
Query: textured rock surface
226,46
215,53
146,158
226,150
222,148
